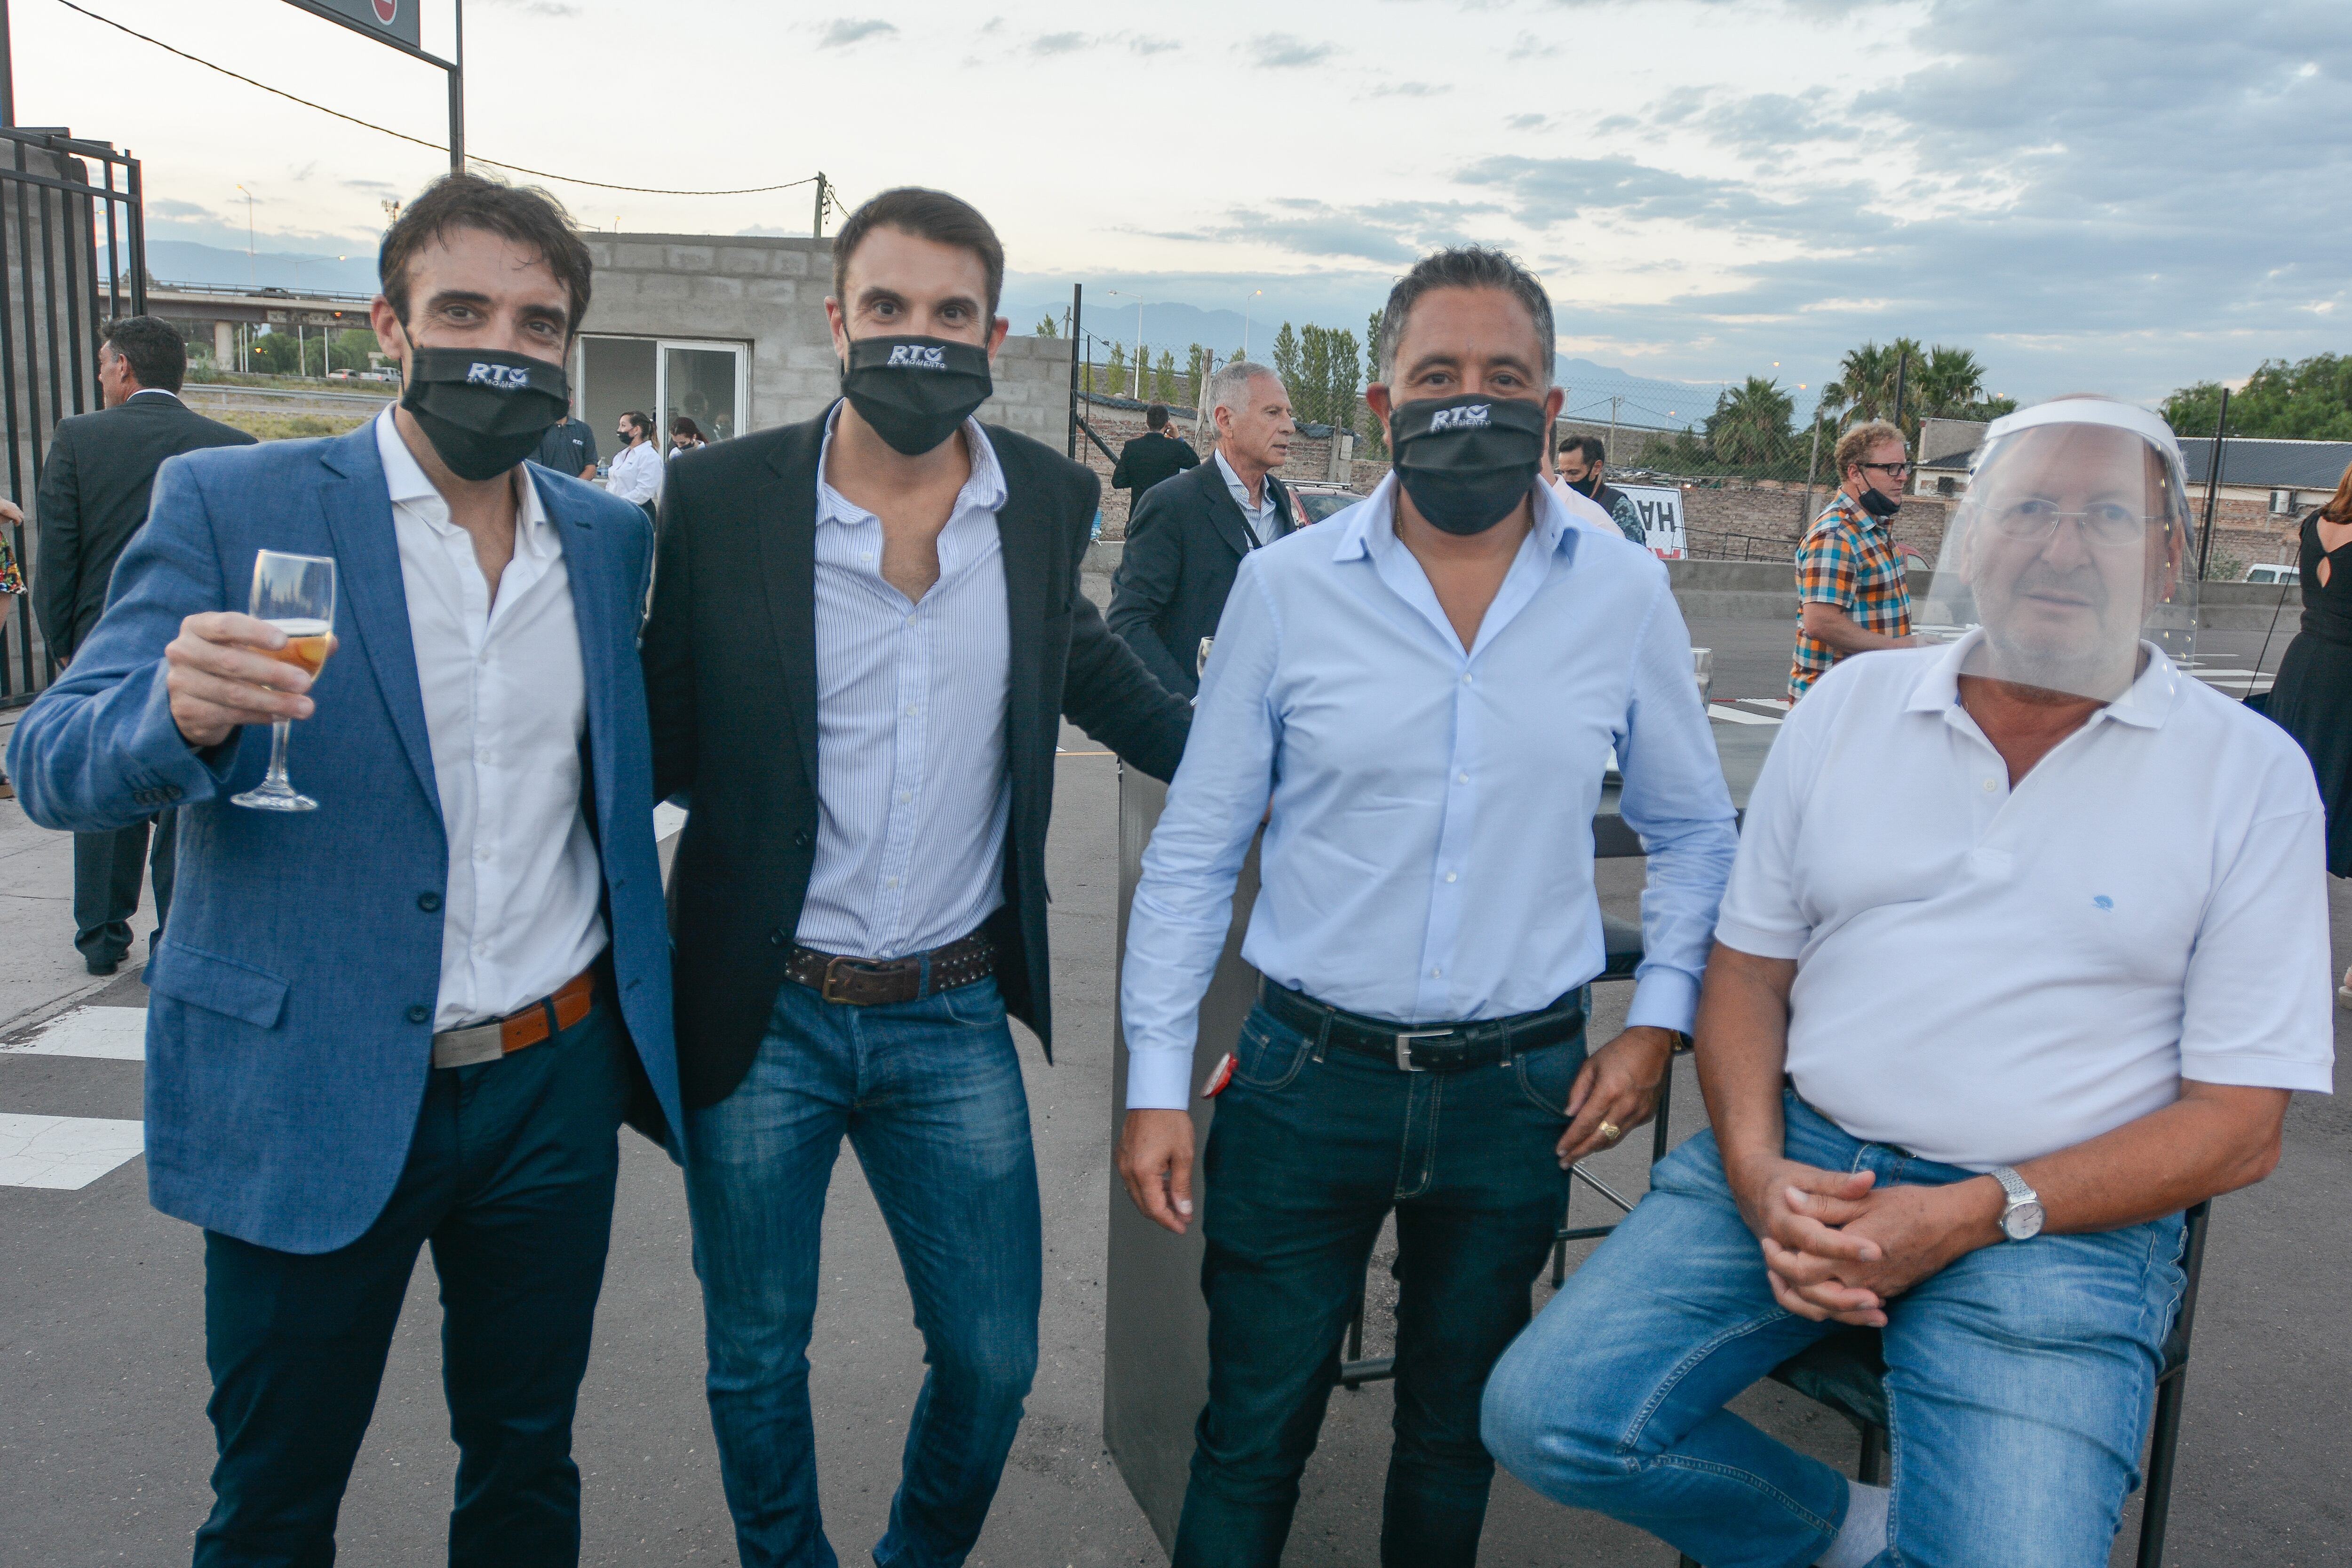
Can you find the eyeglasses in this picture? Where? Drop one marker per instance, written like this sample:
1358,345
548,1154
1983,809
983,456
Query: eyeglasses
1888,467
2107,522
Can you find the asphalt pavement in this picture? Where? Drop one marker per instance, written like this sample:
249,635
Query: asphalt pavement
104,1450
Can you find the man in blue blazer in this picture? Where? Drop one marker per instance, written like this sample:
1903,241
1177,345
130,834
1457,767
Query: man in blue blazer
419,1012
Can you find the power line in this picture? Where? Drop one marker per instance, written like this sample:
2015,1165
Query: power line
418,140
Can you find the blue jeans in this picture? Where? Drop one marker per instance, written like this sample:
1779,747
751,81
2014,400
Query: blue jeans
2019,1381
1307,1155
929,1094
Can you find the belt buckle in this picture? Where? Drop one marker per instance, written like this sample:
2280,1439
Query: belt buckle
824,988
1404,1047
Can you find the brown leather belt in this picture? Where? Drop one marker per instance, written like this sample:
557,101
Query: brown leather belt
867,982
520,1029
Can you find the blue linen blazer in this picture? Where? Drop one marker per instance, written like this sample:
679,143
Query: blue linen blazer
291,999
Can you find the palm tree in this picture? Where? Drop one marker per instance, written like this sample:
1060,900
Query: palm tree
1949,382
1750,425
1864,388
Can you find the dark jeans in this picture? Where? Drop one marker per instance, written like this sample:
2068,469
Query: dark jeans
510,1181
1306,1158
106,884
929,1095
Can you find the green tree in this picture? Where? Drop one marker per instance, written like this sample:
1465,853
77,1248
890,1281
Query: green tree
1749,426
1339,399
1114,373
1046,328
2310,400
1375,445
1309,392
1166,377
1196,374
1285,355
1949,381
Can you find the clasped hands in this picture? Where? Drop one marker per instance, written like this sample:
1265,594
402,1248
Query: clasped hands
1838,1246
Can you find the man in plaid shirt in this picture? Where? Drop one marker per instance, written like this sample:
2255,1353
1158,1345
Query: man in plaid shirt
1851,590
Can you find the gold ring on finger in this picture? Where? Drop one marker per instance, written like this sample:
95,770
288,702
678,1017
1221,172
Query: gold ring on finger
1610,1132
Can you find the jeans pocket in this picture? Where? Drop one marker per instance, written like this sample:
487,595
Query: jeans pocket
1267,1055
980,1004
1545,1076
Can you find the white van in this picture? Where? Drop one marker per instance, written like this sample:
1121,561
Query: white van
2290,575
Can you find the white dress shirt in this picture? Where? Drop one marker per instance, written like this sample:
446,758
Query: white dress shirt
1986,975
912,791
506,704
1257,516
1429,859
635,474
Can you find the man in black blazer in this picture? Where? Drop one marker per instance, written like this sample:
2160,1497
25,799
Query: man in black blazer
1158,453
92,499
865,631
1187,539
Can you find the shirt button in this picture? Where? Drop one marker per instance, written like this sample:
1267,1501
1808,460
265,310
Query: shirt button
910,710
1437,973
482,949
418,1012
428,902
481,854
1449,876
867,558
890,881
1462,779
1466,680
904,796
1990,785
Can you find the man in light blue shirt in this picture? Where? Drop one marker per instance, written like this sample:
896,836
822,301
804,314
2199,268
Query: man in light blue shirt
1426,690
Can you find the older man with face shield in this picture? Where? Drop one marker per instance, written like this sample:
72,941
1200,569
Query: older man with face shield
1967,1062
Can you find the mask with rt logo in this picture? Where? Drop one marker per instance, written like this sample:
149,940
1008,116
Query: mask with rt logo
915,391
1467,462
485,410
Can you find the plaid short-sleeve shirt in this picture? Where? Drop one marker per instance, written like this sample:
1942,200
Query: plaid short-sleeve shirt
1847,559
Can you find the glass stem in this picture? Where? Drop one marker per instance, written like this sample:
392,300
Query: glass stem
277,734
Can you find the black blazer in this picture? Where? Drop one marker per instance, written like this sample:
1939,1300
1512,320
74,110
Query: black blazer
93,497
1183,545
730,677
1147,459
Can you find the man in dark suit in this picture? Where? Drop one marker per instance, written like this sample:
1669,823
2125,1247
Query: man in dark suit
1188,537
865,631
1158,453
92,499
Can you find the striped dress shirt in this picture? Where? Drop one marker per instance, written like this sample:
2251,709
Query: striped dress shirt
913,794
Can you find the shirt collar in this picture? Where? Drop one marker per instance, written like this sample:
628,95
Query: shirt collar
1264,503
984,489
404,476
155,392
1370,523
2145,704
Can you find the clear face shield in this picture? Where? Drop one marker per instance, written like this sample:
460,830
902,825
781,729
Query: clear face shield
2072,546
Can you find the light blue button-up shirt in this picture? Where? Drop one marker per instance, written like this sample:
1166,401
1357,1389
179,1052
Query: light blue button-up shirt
1429,858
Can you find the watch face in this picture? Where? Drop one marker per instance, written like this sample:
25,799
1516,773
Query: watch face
2022,1222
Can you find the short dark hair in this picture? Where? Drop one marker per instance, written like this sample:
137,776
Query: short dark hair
1589,446
927,214
1464,266
158,355
525,214
1156,417
682,425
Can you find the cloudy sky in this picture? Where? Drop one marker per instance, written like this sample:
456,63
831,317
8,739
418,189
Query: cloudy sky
2093,194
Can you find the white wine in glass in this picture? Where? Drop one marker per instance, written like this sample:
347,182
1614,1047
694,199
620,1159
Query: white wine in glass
295,593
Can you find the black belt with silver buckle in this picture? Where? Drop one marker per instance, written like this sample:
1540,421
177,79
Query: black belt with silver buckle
1443,1047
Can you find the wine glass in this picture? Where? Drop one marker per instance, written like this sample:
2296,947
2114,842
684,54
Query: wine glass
295,593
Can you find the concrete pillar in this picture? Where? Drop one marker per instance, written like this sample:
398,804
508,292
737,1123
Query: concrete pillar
224,344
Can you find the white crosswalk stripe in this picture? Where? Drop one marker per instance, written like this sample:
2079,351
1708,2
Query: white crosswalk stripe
118,1034
65,1154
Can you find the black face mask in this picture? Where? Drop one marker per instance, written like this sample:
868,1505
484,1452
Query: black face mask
1588,486
483,409
915,391
1876,503
1467,462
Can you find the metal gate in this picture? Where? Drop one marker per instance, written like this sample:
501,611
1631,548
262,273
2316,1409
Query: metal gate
73,255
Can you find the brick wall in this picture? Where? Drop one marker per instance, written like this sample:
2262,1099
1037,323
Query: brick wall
1310,456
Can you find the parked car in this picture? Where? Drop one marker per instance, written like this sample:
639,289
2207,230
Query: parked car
1313,500
339,375
2290,575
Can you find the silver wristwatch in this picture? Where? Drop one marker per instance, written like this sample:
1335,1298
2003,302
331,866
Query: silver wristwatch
2022,1220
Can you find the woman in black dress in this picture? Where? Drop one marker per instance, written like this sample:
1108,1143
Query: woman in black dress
2313,696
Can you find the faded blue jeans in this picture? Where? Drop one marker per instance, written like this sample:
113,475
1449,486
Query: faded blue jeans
929,1094
2020,1382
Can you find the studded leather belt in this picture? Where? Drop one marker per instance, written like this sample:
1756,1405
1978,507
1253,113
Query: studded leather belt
520,1030
868,982
1430,1047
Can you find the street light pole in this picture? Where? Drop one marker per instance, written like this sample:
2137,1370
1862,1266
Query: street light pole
7,72
457,95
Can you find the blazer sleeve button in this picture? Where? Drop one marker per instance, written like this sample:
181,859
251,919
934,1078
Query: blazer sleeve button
777,938
801,839
418,1012
428,902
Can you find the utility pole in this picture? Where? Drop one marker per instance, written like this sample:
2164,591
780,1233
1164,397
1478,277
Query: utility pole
7,72
1813,466
817,229
1611,455
2213,483
457,95
1902,370
1078,321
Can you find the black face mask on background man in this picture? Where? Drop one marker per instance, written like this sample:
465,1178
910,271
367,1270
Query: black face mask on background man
1467,462
485,410
1876,504
915,391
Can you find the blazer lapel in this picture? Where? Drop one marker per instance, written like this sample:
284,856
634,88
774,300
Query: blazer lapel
371,602
592,620
1281,498
1021,533
1224,512
787,536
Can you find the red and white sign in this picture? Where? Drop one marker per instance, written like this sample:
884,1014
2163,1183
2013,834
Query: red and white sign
387,11
382,19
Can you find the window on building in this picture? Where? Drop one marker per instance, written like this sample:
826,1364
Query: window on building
664,378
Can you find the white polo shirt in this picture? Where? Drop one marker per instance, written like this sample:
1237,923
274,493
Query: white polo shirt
1987,976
